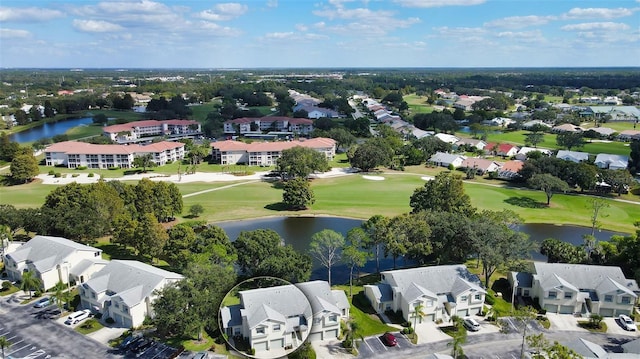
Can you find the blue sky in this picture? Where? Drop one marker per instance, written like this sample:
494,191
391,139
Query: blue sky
309,33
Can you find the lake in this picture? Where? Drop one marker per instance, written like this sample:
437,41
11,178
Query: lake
49,129
297,232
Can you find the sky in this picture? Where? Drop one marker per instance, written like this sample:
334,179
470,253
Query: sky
324,33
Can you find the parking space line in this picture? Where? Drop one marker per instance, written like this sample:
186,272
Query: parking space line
384,346
365,341
3,334
19,349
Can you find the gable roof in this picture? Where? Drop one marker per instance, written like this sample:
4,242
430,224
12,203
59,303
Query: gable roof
146,123
315,143
437,279
618,160
572,155
47,251
320,296
287,300
479,163
130,280
582,276
587,349
442,157
81,148
632,347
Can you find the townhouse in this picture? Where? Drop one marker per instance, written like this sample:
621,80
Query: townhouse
147,129
612,162
573,156
577,288
248,125
439,292
328,306
52,260
124,290
73,154
444,159
273,319
265,153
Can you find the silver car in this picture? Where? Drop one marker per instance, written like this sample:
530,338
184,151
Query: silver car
627,323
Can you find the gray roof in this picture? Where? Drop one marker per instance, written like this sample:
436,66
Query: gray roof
583,276
572,155
632,347
609,158
231,316
341,299
437,279
85,264
320,296
587,349
46,251
381,291
274,303
441,157
130,280
525,280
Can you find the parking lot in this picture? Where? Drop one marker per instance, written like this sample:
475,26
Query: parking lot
375,346
21,347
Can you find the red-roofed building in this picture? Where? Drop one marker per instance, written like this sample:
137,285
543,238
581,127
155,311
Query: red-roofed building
265,153
501,149
246,125
510,169
74,154
139,130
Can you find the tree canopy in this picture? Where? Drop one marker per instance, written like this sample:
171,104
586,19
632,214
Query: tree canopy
445,193
300,162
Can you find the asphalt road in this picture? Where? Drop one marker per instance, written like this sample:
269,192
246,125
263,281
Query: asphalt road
34,335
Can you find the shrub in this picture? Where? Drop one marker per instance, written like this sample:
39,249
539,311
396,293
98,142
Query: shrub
542,311
81,167
6,285
52,172
91,174
109,320
57,175
489,299
113,168
75,175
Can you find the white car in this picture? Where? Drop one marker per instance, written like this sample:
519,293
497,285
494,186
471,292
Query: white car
77,317
471,324
626,322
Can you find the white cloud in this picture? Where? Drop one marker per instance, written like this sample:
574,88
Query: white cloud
293,36
223,12
28,14
14,34
279,35
133,14
272,3
351,14
597,13
301,27
596,26
518,22
96,26
438,3
534,36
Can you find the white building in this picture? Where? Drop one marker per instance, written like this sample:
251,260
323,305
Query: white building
73,154
249,125
265,153
573,156
612,162
124,291
442,291
53,260
145,130
328,306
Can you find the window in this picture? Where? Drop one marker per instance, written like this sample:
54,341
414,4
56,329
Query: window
260,330
115,304
553,295
625,300
276,327
333,318
317,320
568,295
463,298
477,297
125,309
93,295
608,298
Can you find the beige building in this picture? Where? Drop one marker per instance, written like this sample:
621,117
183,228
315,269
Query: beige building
265,153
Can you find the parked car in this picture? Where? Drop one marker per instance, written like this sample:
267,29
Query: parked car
77,317
201,355
471,324
389,339
141,346
42,302
626,322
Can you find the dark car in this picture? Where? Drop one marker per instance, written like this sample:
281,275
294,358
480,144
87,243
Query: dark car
140,345
389,339
129,341
42,302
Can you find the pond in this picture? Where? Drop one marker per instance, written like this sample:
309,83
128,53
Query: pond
49,129
297,232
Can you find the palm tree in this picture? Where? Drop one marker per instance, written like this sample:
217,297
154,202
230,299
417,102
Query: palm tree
59,295
352,334
30,282
459,338
4,343
418,312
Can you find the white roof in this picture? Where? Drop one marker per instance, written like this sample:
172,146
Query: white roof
45,252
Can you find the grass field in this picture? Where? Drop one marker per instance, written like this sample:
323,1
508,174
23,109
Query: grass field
418,104
356,197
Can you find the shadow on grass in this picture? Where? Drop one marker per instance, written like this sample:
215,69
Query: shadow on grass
525,202
361,302
277,207
118,252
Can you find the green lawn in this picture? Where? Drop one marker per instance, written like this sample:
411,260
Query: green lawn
84,132
361,312
353,196
418,104
89,326
199,112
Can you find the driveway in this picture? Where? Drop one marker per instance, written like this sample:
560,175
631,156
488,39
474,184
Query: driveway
566,322
429,332
331,349
614,327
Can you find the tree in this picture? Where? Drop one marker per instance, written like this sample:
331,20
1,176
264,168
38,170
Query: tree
377,233
561,252
570,140
559,351
184,308
352,255
325,246
24,168
620,180
549,184
371,154
459,336
150,236
343,138
445,193
180,243
533,139
300,162
100,119
538,343
4,344
524,315
418,312
196,210
497,243
634,157
144,161
30,282
352,334
297,194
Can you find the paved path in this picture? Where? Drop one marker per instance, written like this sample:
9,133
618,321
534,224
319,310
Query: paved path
218,188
